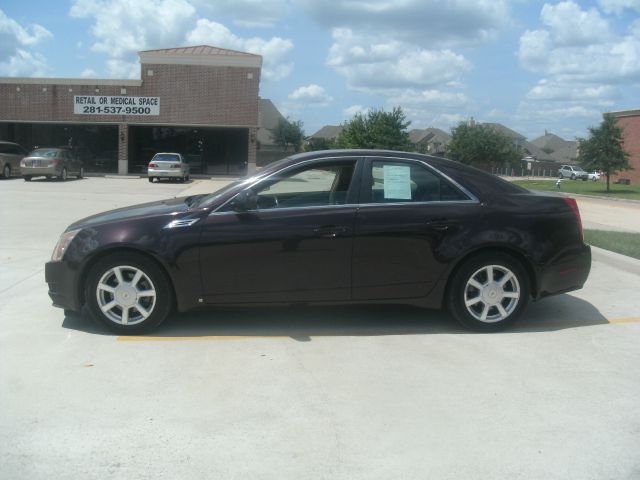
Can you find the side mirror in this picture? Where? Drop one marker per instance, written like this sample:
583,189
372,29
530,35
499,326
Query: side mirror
245,201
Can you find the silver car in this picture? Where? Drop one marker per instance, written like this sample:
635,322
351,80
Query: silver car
573,172
51,162
10,156
168,165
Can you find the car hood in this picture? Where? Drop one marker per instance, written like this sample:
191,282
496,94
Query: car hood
169,207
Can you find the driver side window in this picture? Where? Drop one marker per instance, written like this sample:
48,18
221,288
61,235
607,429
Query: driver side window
317,185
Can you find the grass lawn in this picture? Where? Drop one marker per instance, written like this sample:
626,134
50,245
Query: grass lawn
599,189
619,242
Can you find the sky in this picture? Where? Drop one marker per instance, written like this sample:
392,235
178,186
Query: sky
530,65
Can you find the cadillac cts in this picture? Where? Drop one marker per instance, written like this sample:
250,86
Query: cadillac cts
328,227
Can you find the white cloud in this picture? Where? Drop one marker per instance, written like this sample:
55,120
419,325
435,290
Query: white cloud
311,95
570,25
430,98
552,91
24,64
383,67
247,13
274,51
88,73
428,23
123,27
15,39
585,66
353,110
618,6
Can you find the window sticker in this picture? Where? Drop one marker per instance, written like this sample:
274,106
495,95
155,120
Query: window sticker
397,182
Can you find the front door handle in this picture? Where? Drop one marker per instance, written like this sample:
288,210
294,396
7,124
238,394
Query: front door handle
330,231
440,224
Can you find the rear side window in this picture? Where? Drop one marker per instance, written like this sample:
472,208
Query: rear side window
397,181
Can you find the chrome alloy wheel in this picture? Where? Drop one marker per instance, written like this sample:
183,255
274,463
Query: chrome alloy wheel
126,295
492,293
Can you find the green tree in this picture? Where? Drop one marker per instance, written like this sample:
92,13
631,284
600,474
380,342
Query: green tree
603,149
482,147
376,129
288,134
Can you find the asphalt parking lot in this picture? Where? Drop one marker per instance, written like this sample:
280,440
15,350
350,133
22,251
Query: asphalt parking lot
354,392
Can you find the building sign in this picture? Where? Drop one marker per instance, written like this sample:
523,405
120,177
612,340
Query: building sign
123,105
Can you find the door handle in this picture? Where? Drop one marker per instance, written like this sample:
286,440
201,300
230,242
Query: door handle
330,231
440,224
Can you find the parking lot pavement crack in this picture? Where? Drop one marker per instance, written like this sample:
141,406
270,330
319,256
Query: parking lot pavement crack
39,272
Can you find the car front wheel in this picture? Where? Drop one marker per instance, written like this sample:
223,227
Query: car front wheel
6,171
488,292
63,175
128,293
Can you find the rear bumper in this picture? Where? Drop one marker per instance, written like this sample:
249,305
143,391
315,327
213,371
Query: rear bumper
61,279
38,171
154,173
567,272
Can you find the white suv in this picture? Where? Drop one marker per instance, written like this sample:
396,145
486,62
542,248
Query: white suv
572,172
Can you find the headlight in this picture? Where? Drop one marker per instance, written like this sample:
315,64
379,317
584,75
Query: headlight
63,243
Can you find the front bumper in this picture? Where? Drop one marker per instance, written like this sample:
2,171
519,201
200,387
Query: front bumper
61,279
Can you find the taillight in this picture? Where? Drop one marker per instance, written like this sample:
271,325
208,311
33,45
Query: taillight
153,165
574,206
176,165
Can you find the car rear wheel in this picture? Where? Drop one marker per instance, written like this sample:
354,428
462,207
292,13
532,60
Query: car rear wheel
81,173
63,175
6,171
150,179
488,292
128,293
27,178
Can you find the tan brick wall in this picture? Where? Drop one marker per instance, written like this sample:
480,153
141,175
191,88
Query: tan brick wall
189,95
631,129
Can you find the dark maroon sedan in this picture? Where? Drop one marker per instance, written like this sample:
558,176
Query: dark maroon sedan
328,227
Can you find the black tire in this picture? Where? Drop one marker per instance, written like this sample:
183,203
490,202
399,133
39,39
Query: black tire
6,171
80,173
150,179
153,278
493,297
63,175
573,177
27,178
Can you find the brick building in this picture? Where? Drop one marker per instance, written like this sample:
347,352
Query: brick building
629,121
200,101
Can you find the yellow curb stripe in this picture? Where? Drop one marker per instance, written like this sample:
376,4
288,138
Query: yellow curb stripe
625,320
126,338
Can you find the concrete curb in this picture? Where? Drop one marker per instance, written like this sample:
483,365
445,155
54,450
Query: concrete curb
616,260
123,177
